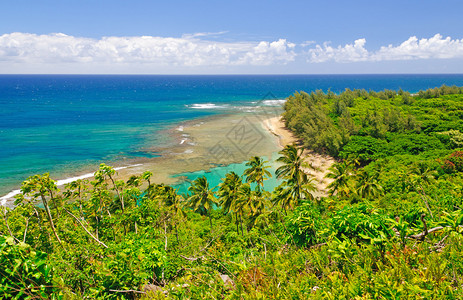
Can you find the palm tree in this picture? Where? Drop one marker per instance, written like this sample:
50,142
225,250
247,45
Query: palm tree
257,172
248,200
100,177
421,176
202,199
43,187
288,194
174,202
297,180
229,193
341,184
77,189
146,176
367,185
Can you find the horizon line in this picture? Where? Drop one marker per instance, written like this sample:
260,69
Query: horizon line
218,74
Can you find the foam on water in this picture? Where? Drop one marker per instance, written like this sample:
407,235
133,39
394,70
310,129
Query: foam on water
207,106
250,107
275,102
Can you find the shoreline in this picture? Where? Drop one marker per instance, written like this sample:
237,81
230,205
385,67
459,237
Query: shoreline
205,143
194,145
320,163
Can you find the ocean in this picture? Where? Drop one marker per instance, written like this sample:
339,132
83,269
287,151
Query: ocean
69,124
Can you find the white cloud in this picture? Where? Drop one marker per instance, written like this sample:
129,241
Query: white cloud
189,50
307,43
435,47
203,53
265,53
350,52
201,34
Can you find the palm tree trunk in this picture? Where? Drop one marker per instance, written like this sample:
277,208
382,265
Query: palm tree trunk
117,192
210,219
423,196
97,225
165,235
54,202
176,233
81,210
241,221
50,219
7,226
25,230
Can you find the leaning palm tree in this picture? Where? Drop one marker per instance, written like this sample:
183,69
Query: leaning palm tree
105,172
44,187
282,196
289,194
257,172
293,171
202,199
341,184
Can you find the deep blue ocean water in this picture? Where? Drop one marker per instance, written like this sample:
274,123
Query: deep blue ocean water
57,123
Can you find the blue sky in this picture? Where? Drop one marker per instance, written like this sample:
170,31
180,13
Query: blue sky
196,37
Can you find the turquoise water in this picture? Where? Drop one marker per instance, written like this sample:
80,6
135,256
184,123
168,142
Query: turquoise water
215,175
64,124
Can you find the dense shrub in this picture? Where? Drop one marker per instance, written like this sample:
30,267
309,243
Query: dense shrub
24,272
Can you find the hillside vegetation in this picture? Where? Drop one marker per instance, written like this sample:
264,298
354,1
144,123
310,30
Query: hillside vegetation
390,229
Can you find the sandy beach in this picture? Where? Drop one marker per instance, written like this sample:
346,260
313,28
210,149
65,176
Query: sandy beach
320,163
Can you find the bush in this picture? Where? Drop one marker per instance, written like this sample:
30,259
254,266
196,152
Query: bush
453,163
303,224
23,272
365,148
359,222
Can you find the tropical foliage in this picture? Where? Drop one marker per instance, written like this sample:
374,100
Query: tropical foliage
390,228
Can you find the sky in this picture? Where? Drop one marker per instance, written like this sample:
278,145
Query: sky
230,37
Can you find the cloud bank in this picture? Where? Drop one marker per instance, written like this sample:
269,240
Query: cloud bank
201,52
435,47
185,51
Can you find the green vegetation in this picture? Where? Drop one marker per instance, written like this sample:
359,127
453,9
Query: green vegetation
391,227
